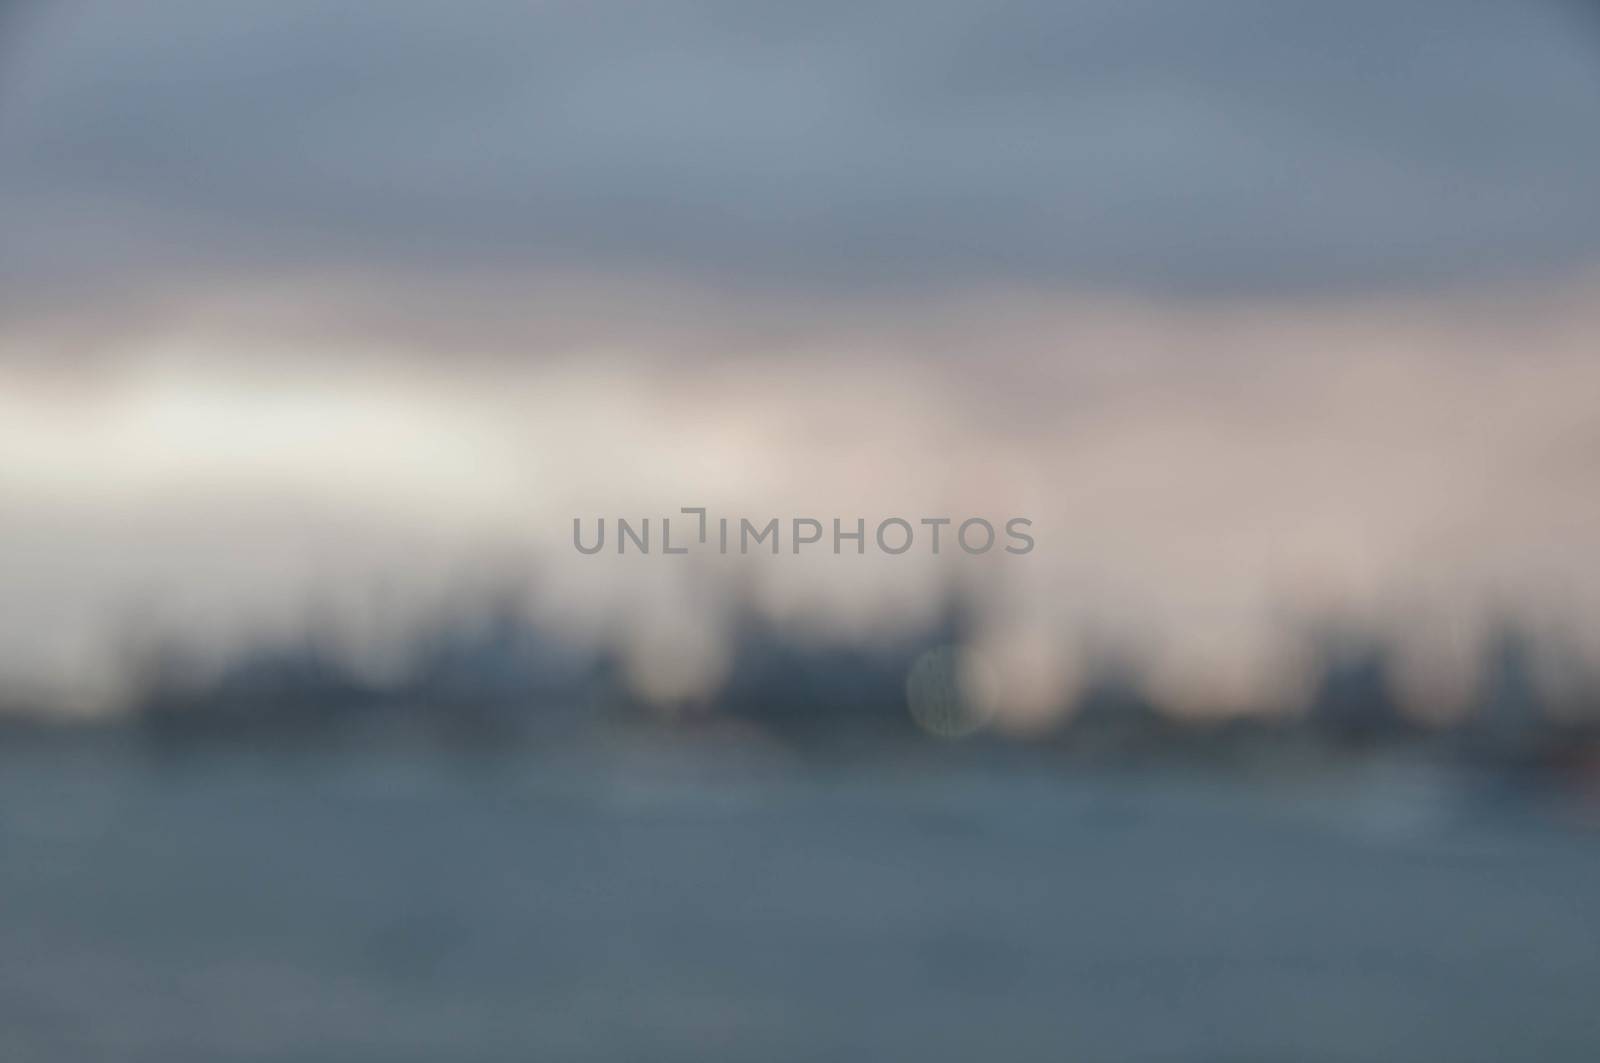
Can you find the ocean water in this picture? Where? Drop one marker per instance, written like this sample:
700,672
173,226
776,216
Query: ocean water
700,901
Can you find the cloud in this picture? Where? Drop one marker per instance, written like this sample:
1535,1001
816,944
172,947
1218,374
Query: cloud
822,257
1236,147
1201,479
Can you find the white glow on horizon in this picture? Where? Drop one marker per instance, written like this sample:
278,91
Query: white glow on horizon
1192,474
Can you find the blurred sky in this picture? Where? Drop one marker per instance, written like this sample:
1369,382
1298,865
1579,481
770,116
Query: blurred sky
1256,308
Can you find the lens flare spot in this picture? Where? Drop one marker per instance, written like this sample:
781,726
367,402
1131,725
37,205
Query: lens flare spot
951,692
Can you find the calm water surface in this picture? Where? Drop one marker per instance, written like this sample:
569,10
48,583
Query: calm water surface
648,903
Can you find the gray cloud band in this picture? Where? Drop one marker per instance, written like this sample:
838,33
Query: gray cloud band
1228,147
725,535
